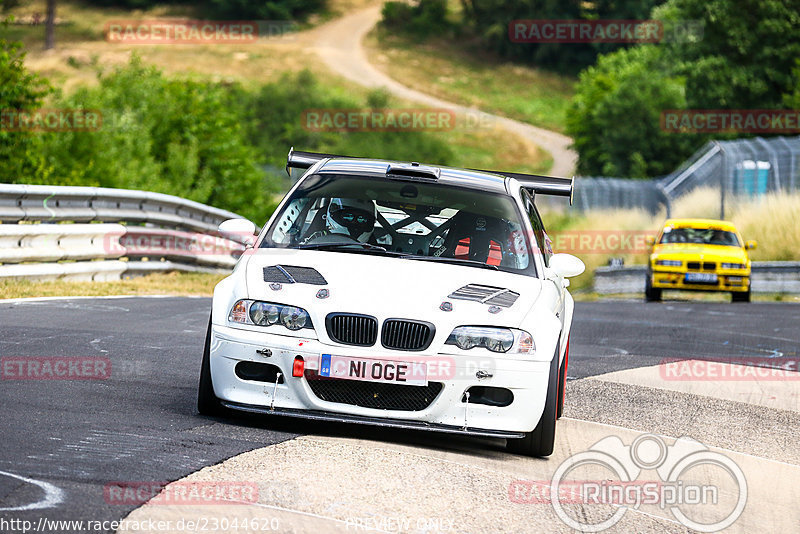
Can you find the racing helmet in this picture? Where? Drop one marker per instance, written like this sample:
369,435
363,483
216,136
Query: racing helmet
352,217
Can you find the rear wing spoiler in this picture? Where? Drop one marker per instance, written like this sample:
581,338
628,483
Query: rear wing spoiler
543,185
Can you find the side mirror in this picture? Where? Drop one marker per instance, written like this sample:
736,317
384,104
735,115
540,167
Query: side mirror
650,240
239,230
750,245
566,265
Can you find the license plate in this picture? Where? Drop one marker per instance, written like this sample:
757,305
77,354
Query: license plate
703,278
390,372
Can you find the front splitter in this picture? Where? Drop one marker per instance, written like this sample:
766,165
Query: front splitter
373,421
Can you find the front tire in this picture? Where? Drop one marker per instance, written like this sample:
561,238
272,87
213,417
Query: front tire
740,296
541,440
207,402
651,294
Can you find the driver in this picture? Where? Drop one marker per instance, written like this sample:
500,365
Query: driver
352,217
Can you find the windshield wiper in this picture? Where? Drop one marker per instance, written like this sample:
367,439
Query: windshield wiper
348,247
457,261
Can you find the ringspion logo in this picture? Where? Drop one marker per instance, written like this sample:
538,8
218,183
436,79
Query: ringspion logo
704,490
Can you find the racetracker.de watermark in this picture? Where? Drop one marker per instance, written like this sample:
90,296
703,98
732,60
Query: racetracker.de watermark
55,368
160,31
703,490
156,243
601,241
391,120
180,493
50,120
746,369
604,31
692,121
585,31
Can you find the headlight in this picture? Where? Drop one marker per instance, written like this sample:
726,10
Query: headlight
669,263
259,313
264,313
733,266
490,338
294,318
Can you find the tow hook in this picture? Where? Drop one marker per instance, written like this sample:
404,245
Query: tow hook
264,352
480,375
466,411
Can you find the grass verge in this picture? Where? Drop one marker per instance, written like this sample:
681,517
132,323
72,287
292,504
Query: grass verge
446,70
178,284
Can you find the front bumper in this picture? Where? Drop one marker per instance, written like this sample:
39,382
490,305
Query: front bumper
676,279
526,379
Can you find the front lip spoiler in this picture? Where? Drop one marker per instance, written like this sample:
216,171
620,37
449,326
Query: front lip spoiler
374,421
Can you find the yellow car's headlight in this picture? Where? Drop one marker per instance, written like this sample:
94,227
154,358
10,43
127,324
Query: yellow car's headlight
669,263
733,265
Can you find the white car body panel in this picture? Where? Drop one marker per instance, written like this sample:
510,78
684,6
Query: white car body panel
390,287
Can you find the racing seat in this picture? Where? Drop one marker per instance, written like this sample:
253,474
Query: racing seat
476,237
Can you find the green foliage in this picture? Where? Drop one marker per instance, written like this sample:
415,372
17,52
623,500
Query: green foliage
7,5
486,23
20,152
744,59
205,141
278,108
232,9
791,100
423,19
746,55
172,136
259,9
615,116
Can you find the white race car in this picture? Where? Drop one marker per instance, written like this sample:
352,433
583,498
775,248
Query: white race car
399,295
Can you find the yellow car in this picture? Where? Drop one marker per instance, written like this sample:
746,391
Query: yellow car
699,255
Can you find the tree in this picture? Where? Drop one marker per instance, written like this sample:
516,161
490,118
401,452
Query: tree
615,116
181,137
50,26
744,59
20,151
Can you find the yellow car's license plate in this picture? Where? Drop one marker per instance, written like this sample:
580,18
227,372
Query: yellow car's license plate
701,278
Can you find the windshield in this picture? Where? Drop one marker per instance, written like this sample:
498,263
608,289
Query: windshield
704,236
425,221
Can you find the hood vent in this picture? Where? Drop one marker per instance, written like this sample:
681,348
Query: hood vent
289,274
493,296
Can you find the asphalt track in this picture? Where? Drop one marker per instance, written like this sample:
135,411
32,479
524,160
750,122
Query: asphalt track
63,441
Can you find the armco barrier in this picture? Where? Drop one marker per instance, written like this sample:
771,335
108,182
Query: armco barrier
94,233
767,277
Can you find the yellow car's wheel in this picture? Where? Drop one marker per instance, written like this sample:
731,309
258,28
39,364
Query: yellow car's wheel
740,296
651,294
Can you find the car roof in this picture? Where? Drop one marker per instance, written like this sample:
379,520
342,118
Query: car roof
715,224
449,176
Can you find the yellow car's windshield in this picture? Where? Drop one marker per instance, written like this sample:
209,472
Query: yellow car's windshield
703,236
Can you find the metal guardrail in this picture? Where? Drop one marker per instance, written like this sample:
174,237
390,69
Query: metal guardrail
766,277
95,233
740,168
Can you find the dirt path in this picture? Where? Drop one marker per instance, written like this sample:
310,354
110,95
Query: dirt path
338,43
